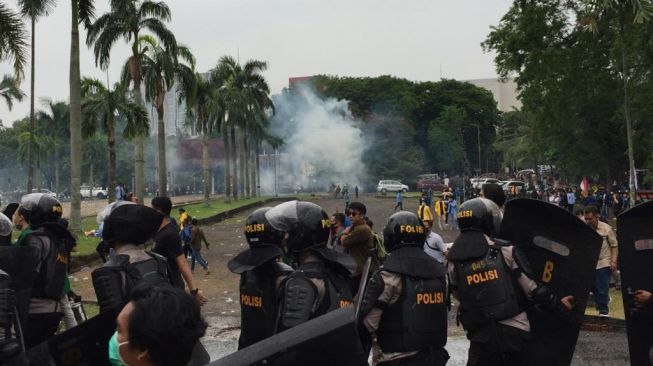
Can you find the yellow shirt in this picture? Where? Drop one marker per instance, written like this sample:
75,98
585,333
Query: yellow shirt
440,208
424,213
182,219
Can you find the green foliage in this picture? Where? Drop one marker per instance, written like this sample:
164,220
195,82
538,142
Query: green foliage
13,40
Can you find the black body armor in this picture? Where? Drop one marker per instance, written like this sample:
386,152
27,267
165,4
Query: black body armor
259,301
486,289
52,274
115,279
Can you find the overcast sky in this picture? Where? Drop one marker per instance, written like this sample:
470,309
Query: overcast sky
413,39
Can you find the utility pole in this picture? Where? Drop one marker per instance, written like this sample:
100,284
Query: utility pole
478,130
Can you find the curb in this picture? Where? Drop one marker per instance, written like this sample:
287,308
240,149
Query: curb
594,323
80,261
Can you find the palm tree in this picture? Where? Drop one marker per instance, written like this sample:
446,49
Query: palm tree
10,91
160,68
12,40
33,9
101,107
244,97
128,19
57,121
82,11
202,107
637,11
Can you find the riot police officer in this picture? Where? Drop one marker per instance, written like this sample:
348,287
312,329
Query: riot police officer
127,226
404,305
260,277
39,216
490,280
319,284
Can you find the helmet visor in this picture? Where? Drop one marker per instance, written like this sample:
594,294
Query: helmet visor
283,217
106,211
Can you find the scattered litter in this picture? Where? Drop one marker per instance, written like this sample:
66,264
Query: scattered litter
225,292
85,278
75,279
233,311
85,268
229,299
223,312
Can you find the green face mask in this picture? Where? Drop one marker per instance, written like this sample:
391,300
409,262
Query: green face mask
114,351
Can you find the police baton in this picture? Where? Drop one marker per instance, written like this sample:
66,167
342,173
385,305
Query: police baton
362,285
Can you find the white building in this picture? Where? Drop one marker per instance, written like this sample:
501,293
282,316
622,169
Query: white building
505,92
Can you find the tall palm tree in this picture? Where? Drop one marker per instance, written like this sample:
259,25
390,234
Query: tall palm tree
10,91
160,68
128,19
57,121
202,108
33,9
244,94
12,40
101,107
82,11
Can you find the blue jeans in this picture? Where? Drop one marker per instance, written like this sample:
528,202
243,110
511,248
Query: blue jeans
196,255
601,286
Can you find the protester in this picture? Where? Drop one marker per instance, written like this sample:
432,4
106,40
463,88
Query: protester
607,263
358,240
345,197
196,239
452,210
168,244
183,216
399,199
441,213
160,326
423,211
356,191
337,228
433,243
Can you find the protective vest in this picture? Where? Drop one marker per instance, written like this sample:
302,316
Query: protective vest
418,320
114,281
486,290
52,274
337,291
259,302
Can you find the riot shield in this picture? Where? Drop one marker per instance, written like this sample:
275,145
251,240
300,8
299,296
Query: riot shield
20,263
635,237
330,339
84,345
562,251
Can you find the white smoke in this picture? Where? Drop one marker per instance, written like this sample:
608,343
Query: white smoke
323,144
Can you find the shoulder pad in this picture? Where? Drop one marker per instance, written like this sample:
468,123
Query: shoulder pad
282,268
108,285
299,296
118,260
374,289
156,256
522,261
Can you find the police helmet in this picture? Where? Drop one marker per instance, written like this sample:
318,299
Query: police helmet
39,208
6,226
258,230
306,224
404,228
127,222
480,214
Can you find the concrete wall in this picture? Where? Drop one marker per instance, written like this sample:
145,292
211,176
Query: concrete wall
505,93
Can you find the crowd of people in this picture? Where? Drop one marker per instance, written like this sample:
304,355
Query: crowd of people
301,264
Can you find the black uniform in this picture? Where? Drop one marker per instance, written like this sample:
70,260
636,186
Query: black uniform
404,305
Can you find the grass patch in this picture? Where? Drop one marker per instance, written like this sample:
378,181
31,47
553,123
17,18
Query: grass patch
616,306
87,246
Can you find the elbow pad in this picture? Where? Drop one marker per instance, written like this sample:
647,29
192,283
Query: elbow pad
299,297
544,298
374,289
108,288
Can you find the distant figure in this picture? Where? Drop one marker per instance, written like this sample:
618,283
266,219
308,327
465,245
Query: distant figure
196,239
452,210
399,199
337,191
356,191
345,196
120,192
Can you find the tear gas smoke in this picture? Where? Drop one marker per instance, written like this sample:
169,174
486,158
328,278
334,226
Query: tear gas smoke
323,144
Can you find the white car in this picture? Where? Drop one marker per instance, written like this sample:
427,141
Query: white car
508,186
97,192
477,183
45,191
386,186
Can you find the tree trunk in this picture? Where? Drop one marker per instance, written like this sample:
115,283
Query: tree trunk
246,157
205,161
163,170
75,224
227,166
258,169
56,166
629,130
234,180
32,126
111,167
242,162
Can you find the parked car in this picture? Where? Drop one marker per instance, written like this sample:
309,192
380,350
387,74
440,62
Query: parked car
433,184
97,192
386,186
477,183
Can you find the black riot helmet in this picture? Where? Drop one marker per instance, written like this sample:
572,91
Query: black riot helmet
403,229
306,224
480,214
258,230
127,222
39,208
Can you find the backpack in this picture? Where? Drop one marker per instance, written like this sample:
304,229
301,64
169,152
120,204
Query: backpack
185,234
